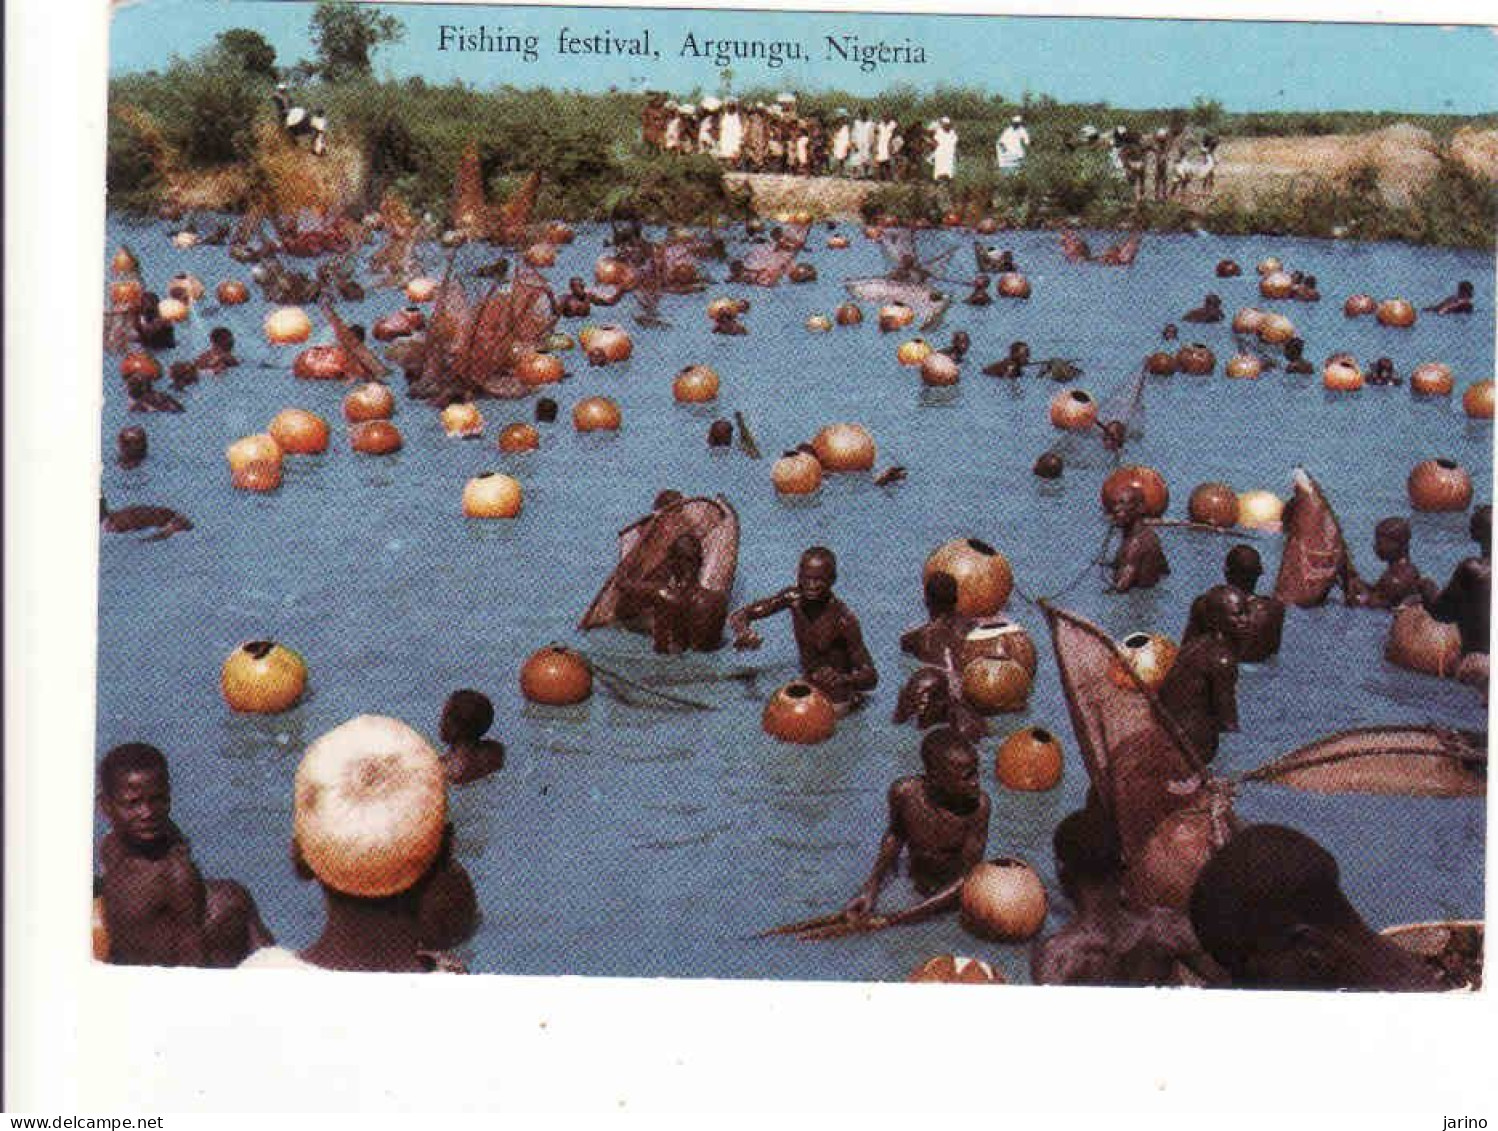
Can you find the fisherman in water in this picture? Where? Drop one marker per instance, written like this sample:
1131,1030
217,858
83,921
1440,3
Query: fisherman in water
1467,601
1140,563
834,658
157,907
941,817
684,614
1108,942
1266,615
1200,691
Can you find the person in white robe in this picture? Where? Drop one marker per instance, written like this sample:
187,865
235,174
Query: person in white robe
943,151
1012,145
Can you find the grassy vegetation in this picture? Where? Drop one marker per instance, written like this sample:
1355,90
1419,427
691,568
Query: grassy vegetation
413,133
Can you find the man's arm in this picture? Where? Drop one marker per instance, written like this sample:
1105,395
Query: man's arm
890,845
861,674
738,621
974,844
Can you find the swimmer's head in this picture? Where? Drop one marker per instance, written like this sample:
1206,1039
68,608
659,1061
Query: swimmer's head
1295,349
131,443
1391,539
1019,352
1225,610
546,410
369,808
466,717
951,768
1212,301
941,593
1243,567
1269,908
1127,505
135,793
1170,333
1464,289
719,434
222,338
817,573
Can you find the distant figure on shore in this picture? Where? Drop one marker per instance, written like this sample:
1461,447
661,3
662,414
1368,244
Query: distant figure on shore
1012,144
466,718
861,152
1459,303
157,908
299,123
1269,907
943,151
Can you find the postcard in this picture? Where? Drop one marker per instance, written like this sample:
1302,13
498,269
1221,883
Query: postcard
682,496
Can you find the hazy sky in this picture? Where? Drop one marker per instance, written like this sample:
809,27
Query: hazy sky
1129,63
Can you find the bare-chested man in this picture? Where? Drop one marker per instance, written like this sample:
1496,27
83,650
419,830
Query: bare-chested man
1201,690
1140,563
1108,942
158,909
684,614
1266,615
936,642
940,817
828,637
1401,581
1467,601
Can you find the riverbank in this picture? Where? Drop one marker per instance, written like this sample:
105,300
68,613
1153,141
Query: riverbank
194,139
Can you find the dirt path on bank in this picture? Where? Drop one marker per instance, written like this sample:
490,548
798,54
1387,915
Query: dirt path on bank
1402,158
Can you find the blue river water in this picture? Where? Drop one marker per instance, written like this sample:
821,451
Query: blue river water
626,840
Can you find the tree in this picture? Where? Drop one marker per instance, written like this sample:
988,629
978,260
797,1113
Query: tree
345,34
250,50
